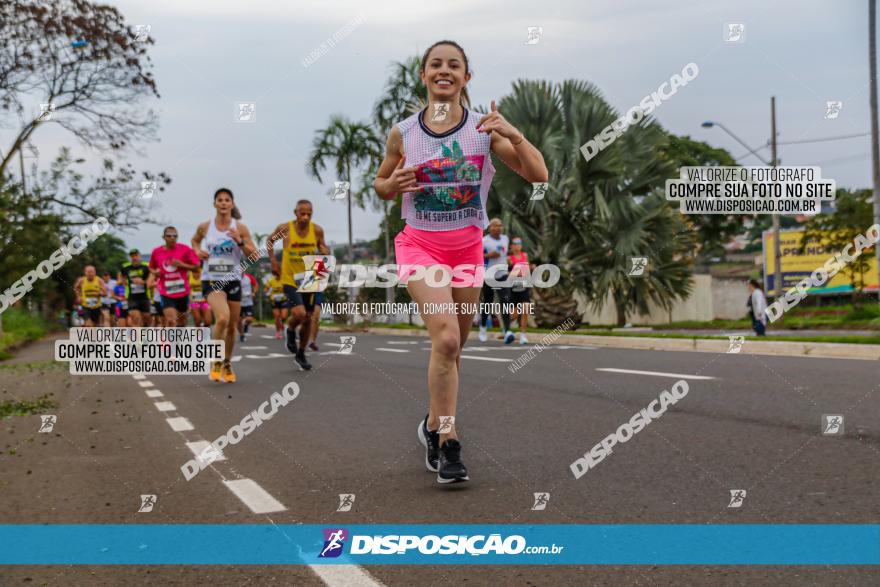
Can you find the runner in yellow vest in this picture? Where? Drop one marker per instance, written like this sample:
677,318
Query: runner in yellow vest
275,291
88,291
301,237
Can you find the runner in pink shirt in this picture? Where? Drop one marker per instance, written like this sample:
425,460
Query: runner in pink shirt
169,267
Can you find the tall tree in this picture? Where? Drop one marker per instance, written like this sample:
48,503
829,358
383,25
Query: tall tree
714,230
597,214
346,145
91,73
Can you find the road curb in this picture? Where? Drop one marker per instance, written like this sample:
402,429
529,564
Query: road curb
751,346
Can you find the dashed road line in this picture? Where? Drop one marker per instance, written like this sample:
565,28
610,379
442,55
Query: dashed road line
387,350
165,407
255,497
486,359
153,392
655,373
344,576
199,446
145,383
179,424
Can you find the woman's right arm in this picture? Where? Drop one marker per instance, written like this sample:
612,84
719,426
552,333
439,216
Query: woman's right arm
393,178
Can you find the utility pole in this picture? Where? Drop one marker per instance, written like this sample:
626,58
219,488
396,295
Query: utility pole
875,149
777,248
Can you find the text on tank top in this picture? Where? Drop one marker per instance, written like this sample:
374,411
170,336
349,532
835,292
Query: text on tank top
292,265
454,173
224,255
91,293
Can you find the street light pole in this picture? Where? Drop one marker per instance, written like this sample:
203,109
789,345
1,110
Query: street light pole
875,150
777,248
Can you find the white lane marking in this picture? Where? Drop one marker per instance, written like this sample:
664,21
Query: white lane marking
253,348
235,358
165,407
153,393
345,576
391,350
212,456
656,374
255,497
403,342
266,336
486,359
138,376
145,383
179,424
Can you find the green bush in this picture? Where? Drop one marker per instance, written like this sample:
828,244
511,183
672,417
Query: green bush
20,326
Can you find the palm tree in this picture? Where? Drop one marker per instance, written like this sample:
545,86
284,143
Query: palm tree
404,94
598,213
348,144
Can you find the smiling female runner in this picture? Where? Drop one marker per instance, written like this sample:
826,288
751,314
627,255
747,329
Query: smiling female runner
445,184
227,242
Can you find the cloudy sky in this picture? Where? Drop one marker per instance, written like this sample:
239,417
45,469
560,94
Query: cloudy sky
211,54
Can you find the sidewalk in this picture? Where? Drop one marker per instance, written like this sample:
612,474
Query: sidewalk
751,346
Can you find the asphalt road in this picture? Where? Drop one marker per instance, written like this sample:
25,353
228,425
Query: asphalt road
748,422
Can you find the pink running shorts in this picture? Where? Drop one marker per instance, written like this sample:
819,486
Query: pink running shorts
461,247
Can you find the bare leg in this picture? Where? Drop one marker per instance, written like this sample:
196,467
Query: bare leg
445,351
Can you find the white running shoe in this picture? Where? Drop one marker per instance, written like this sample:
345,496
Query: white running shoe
483,337
523,339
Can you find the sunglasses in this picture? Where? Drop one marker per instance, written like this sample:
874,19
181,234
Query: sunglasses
170,235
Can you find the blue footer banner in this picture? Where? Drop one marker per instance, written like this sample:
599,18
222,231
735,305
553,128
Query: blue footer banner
376,544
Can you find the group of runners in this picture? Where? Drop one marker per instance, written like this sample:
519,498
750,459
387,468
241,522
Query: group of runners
441,167
208,283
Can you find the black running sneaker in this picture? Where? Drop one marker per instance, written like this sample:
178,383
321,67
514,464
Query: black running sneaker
450,469
291,341
431,441
302,361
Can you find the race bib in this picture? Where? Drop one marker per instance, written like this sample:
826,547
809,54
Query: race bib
197,296
123,305
137,288
220,264
91,302
279,297
174,286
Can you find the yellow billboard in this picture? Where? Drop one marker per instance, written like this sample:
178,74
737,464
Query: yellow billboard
796,266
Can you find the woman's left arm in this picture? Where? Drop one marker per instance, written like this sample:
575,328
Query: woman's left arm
511,146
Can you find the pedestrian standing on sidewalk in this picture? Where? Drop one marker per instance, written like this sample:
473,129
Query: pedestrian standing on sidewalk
757,304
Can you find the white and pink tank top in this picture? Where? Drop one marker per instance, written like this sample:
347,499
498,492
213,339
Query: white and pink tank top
454,173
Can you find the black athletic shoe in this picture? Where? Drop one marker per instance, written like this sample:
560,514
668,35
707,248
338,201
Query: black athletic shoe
431,441
450,469
291,341
302,361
